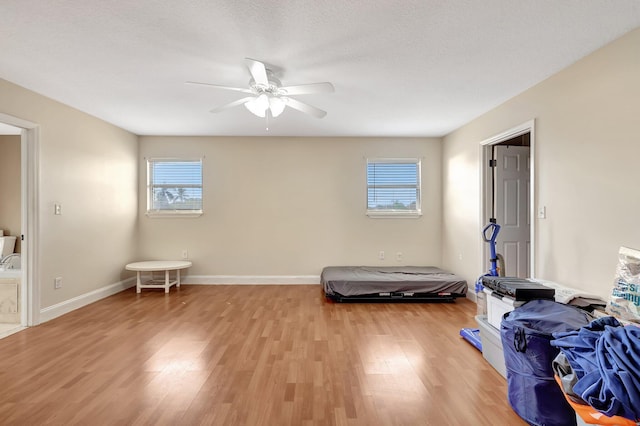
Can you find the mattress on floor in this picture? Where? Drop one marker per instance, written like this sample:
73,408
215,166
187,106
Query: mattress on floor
363,280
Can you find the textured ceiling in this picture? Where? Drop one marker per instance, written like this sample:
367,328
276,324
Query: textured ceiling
399,67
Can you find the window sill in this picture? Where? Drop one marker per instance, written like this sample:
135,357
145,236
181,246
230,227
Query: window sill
174,213
393,214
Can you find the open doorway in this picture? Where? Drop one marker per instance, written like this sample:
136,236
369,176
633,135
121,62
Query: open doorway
507,197
18,271
10,229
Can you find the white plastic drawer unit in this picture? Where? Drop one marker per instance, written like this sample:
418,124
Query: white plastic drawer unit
491,345
498,306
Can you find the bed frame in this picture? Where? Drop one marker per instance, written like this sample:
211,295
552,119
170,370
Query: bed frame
391,284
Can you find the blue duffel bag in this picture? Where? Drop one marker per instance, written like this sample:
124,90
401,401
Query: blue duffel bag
526,335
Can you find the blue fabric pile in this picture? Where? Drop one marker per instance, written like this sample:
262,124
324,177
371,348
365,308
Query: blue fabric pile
605,358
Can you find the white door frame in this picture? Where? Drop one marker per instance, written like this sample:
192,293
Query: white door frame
29,149
485,207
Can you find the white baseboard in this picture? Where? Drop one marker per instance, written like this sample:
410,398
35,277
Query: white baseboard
10,331
67,306
251,279
51,312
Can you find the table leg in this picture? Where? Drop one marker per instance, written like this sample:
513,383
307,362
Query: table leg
178,278
138,282
166,281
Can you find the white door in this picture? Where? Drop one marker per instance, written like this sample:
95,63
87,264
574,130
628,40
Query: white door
512,173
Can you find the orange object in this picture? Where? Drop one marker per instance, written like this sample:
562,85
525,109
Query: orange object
592,416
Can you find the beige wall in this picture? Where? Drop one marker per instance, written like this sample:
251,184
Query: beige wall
587,156
289,206
10,217
90,167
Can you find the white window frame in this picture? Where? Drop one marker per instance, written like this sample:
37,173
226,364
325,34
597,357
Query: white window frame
150,187
396,213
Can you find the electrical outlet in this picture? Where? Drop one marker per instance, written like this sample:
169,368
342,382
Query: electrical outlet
399,256
381,255
185,254
57,282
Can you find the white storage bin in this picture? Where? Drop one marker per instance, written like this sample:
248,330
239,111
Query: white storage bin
491,345
498,306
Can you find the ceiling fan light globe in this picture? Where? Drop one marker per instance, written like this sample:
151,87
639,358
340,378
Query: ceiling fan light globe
276,105
263,102
258,106
251,106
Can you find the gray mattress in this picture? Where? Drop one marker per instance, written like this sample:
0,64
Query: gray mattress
361,280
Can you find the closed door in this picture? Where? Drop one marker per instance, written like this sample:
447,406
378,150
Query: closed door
512,188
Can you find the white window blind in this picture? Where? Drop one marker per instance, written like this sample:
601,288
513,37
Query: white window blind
174,186
393,186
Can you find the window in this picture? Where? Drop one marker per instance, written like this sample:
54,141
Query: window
393,187
174,186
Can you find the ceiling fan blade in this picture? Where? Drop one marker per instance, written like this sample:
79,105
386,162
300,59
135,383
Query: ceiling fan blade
258,71
232,104
307,89
306,108
216,86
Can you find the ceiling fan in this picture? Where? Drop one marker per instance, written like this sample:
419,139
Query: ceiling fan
268,96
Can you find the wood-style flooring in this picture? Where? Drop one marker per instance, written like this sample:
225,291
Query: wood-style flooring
250,355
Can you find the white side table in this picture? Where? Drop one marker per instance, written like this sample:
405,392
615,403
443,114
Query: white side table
158,265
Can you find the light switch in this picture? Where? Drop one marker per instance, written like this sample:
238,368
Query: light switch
542,212
57,209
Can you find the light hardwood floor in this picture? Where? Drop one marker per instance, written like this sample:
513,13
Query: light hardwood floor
250,355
